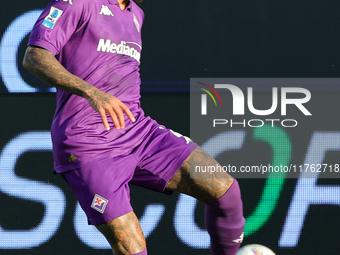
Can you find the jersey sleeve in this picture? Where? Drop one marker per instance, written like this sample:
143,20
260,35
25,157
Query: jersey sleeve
57,23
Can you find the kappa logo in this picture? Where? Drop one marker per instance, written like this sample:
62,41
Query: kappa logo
70,1
187,139
240,239
99,203
106,11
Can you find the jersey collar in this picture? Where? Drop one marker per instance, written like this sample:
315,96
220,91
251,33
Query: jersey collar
128,6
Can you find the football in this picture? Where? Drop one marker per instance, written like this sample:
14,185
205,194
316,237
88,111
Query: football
255,249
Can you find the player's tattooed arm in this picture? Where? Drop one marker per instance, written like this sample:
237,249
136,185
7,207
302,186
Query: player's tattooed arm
45,66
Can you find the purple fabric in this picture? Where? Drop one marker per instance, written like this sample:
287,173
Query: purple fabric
145,252
100,43
150,165
225,222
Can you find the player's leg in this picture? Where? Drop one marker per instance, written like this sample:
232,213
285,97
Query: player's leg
203,186
163,164
223,213
103,193
124,234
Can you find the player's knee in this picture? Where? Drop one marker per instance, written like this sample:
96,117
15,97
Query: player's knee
230,204
124,234
234,205
130,245
219,186
144,252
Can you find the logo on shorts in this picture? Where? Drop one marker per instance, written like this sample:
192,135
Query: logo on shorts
71,158
99,203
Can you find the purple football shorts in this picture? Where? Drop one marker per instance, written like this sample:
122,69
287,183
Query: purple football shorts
102,188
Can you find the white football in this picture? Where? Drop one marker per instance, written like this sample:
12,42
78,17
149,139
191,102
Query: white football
255,249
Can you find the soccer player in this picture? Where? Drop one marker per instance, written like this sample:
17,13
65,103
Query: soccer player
90,51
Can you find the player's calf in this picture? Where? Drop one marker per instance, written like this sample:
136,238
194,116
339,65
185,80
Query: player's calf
125,235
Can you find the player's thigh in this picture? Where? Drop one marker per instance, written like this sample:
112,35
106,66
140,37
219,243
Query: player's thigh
159,156
203,184
100,187
124,234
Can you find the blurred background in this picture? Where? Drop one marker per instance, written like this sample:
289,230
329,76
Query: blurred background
182,40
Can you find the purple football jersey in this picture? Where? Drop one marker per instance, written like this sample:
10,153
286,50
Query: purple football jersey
100,43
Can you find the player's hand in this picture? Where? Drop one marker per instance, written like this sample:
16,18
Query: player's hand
105,103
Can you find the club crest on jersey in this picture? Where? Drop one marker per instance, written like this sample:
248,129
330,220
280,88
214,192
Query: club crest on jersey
52,17
70,1
135,20
99,203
